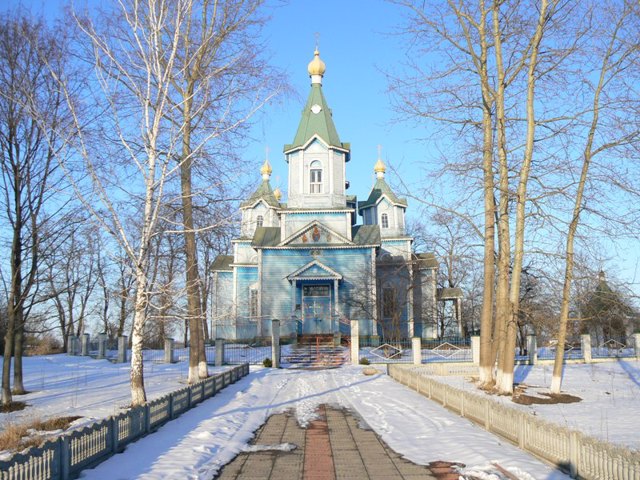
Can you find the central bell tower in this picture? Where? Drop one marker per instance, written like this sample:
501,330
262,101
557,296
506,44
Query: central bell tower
317,158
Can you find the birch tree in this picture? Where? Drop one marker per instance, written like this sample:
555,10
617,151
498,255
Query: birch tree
132,50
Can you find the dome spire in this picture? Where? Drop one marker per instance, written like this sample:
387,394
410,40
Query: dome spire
379,168
266,166
316,67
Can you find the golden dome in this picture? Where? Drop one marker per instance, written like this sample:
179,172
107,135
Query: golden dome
266,168
277,193
316,66
379,167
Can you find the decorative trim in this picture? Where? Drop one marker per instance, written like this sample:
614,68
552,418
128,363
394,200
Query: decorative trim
309,226
314,263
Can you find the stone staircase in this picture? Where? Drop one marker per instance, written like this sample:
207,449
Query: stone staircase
315,352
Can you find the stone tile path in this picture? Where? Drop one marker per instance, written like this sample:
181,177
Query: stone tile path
331,448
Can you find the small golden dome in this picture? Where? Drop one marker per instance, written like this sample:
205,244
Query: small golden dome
316,66
266,168
379,167
277,193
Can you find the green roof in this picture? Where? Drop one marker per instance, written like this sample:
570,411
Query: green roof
366,235
263,192
449,293
320,123
379,189
222,262
266,237
426,260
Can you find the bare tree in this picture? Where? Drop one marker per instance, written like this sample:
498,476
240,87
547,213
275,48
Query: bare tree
219,83
32,112
618,52
133,56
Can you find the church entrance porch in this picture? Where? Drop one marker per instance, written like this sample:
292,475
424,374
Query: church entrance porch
316,309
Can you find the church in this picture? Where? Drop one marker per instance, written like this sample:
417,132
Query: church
309,262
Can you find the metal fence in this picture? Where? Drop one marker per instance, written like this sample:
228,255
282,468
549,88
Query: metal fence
64,457
450,349
578,454
386,351
619,347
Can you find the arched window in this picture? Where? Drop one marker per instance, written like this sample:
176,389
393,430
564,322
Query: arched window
315,177
259,220
384,220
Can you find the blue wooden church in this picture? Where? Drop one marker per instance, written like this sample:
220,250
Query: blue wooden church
309,262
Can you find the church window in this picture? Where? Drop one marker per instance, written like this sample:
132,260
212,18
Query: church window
315,177
253,302
385,220
388,302
259,220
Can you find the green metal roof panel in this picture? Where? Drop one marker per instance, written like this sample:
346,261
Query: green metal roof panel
263,192
320,123
426,260
366,235
266,237
379,189
222,262
449,293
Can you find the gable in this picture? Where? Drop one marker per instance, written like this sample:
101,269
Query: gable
315,234
314,270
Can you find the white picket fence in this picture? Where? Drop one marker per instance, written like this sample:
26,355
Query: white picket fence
66,456
576,453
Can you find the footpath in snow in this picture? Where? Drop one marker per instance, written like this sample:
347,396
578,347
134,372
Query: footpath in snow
204,439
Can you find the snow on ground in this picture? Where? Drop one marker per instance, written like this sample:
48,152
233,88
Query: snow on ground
610,393
202,440
63,385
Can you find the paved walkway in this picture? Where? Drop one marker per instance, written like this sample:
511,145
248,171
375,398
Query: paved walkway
331,448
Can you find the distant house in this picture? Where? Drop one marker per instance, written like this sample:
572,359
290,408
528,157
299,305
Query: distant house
308,263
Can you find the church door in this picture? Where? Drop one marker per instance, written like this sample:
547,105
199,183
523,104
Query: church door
316,309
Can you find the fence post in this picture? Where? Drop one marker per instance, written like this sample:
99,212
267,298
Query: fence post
574,452
85,345
102,345
636,344
585,345
275,343
355,342
219,352
122,349
532,349
71,345
65,457
416,348
475,349
169,345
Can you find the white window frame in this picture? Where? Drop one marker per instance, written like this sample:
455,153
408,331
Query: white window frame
384,220
315,177
259,221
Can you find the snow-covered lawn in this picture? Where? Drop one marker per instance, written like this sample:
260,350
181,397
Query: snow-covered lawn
63,385
610,393
202,440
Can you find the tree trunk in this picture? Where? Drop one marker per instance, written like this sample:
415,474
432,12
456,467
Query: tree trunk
138,395
487,357
503,306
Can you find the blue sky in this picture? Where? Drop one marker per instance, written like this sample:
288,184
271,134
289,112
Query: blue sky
358,46
355,45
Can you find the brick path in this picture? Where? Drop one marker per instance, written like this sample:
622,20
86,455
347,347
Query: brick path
331,448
